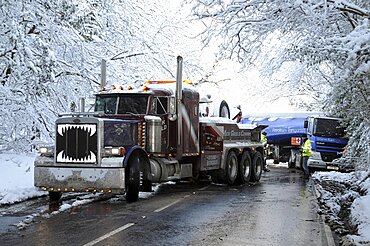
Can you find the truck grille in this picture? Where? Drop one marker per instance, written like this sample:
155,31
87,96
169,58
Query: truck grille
329,157
76,143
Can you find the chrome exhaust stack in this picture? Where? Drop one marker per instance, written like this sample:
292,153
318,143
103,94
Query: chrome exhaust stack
103,75
82,104
178,95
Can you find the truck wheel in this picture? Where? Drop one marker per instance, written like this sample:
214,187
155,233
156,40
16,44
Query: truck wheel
245,169
231,168
133,179
54,196
291,162
299,162
257,166
276,161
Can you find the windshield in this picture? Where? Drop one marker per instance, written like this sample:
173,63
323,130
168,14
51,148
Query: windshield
328,128
127,104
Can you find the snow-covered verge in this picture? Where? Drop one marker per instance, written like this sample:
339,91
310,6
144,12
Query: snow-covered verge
344,199
16,178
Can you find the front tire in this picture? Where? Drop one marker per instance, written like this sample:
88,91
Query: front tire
257,167
133,178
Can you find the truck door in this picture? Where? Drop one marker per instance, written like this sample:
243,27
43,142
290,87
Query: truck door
190,119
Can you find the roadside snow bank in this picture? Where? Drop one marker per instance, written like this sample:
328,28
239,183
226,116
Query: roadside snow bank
16,178
360,211
345,199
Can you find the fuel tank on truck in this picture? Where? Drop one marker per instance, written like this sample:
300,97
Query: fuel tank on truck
281,128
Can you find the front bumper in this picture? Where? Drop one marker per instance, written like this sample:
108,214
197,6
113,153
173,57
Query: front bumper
80,179
319,164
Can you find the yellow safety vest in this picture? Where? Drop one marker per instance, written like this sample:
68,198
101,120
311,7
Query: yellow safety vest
263,139
306,148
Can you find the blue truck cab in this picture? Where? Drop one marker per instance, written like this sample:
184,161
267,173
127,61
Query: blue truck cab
327,136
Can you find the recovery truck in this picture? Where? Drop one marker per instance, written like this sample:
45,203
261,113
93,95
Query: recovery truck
152,134
284,133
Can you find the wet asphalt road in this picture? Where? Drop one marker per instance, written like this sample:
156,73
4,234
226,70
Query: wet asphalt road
279,210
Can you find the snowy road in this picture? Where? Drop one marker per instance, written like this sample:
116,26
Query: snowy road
280,210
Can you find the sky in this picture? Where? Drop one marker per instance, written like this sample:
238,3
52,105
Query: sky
16,185
246,89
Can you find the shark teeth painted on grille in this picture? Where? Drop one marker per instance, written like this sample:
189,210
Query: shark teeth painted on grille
61,157
62,128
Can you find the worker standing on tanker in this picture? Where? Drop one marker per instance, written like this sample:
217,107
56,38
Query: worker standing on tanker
306,153
264,141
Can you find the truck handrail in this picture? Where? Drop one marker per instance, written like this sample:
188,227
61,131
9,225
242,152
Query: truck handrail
77,114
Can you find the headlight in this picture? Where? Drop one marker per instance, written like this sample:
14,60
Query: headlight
315,155
46,151
114,151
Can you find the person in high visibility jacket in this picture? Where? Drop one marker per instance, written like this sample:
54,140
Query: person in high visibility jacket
264,138
264,141
306,153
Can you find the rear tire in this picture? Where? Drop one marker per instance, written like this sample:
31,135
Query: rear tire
245,169
231,168
291,161
299,162
133,178
257,167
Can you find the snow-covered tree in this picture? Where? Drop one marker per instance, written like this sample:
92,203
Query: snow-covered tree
50,53
323,43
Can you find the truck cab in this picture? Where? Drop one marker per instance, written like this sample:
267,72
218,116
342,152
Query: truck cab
328,140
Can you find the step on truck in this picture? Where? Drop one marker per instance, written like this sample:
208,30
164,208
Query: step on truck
136,137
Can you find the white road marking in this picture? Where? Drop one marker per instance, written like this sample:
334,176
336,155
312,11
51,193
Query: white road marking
109,234
169,205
